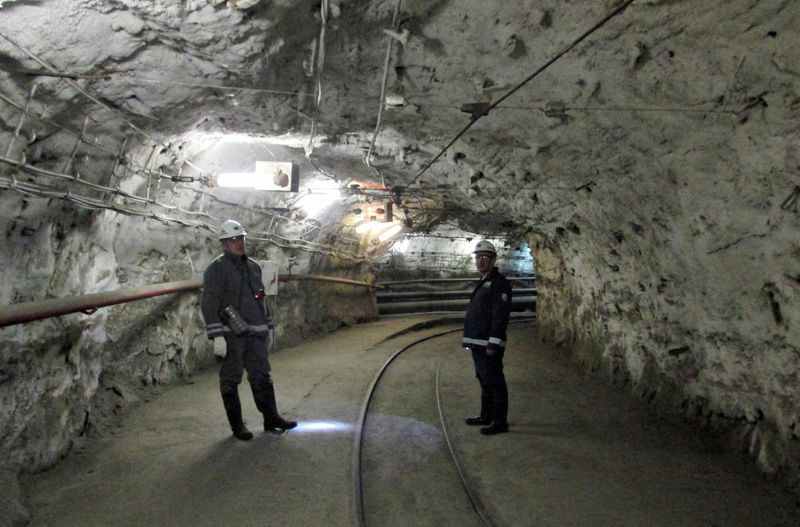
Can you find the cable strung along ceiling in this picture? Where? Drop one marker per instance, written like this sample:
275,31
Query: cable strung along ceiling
530,111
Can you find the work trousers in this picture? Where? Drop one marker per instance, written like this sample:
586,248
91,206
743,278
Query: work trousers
494,391
247,352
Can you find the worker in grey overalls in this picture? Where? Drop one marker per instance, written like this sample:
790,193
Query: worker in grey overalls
234,307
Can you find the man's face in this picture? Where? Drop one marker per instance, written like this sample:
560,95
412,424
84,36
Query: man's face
484,261
234,245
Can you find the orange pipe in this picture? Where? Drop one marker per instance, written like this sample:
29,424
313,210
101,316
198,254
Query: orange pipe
88,304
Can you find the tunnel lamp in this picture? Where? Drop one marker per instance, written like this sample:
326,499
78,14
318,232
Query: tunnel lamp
401,246
373,227
391,232
313,204
366,227
382,229
319,197
395,102
382,226
236,179
268,175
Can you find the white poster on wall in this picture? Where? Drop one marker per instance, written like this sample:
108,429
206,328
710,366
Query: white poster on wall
269,275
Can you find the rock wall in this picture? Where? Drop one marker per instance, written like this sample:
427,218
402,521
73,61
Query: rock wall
52,368
309,308
61,378
695,325
661,209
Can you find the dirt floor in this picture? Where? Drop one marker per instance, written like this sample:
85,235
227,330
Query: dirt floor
580,452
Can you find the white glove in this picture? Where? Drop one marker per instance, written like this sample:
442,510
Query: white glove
220,348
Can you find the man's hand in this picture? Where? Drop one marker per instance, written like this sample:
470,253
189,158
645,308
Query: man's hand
220,349
490,352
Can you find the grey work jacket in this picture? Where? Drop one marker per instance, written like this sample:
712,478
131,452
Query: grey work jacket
234,281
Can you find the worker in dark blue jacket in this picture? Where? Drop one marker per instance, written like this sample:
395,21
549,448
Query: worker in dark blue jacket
485,335
234,308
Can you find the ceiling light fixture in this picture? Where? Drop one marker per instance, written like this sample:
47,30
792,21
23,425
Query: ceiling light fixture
393,231
394,101
268,175
320,197
367,227
384,230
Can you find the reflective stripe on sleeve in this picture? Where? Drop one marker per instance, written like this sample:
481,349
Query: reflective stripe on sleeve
477,342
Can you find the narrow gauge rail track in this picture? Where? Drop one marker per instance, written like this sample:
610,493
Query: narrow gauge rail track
358,493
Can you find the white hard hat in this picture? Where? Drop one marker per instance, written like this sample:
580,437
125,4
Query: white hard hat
485,246
231,228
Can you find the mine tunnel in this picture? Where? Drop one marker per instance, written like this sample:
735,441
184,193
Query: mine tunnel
634,164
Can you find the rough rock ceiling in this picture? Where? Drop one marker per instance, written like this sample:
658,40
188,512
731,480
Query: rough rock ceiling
660,85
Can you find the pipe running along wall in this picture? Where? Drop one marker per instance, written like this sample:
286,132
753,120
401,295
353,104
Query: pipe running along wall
88,304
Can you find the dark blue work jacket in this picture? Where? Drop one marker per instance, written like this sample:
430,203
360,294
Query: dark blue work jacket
488,313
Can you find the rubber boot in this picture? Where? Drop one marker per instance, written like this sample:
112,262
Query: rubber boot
486,409
265,402
499,423
233,409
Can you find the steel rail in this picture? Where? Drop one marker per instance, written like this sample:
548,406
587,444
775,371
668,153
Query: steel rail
477,504
25,312
358,497
474,499
358,494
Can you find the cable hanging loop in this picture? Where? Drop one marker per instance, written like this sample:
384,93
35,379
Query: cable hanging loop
382,100
324,7
21,120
